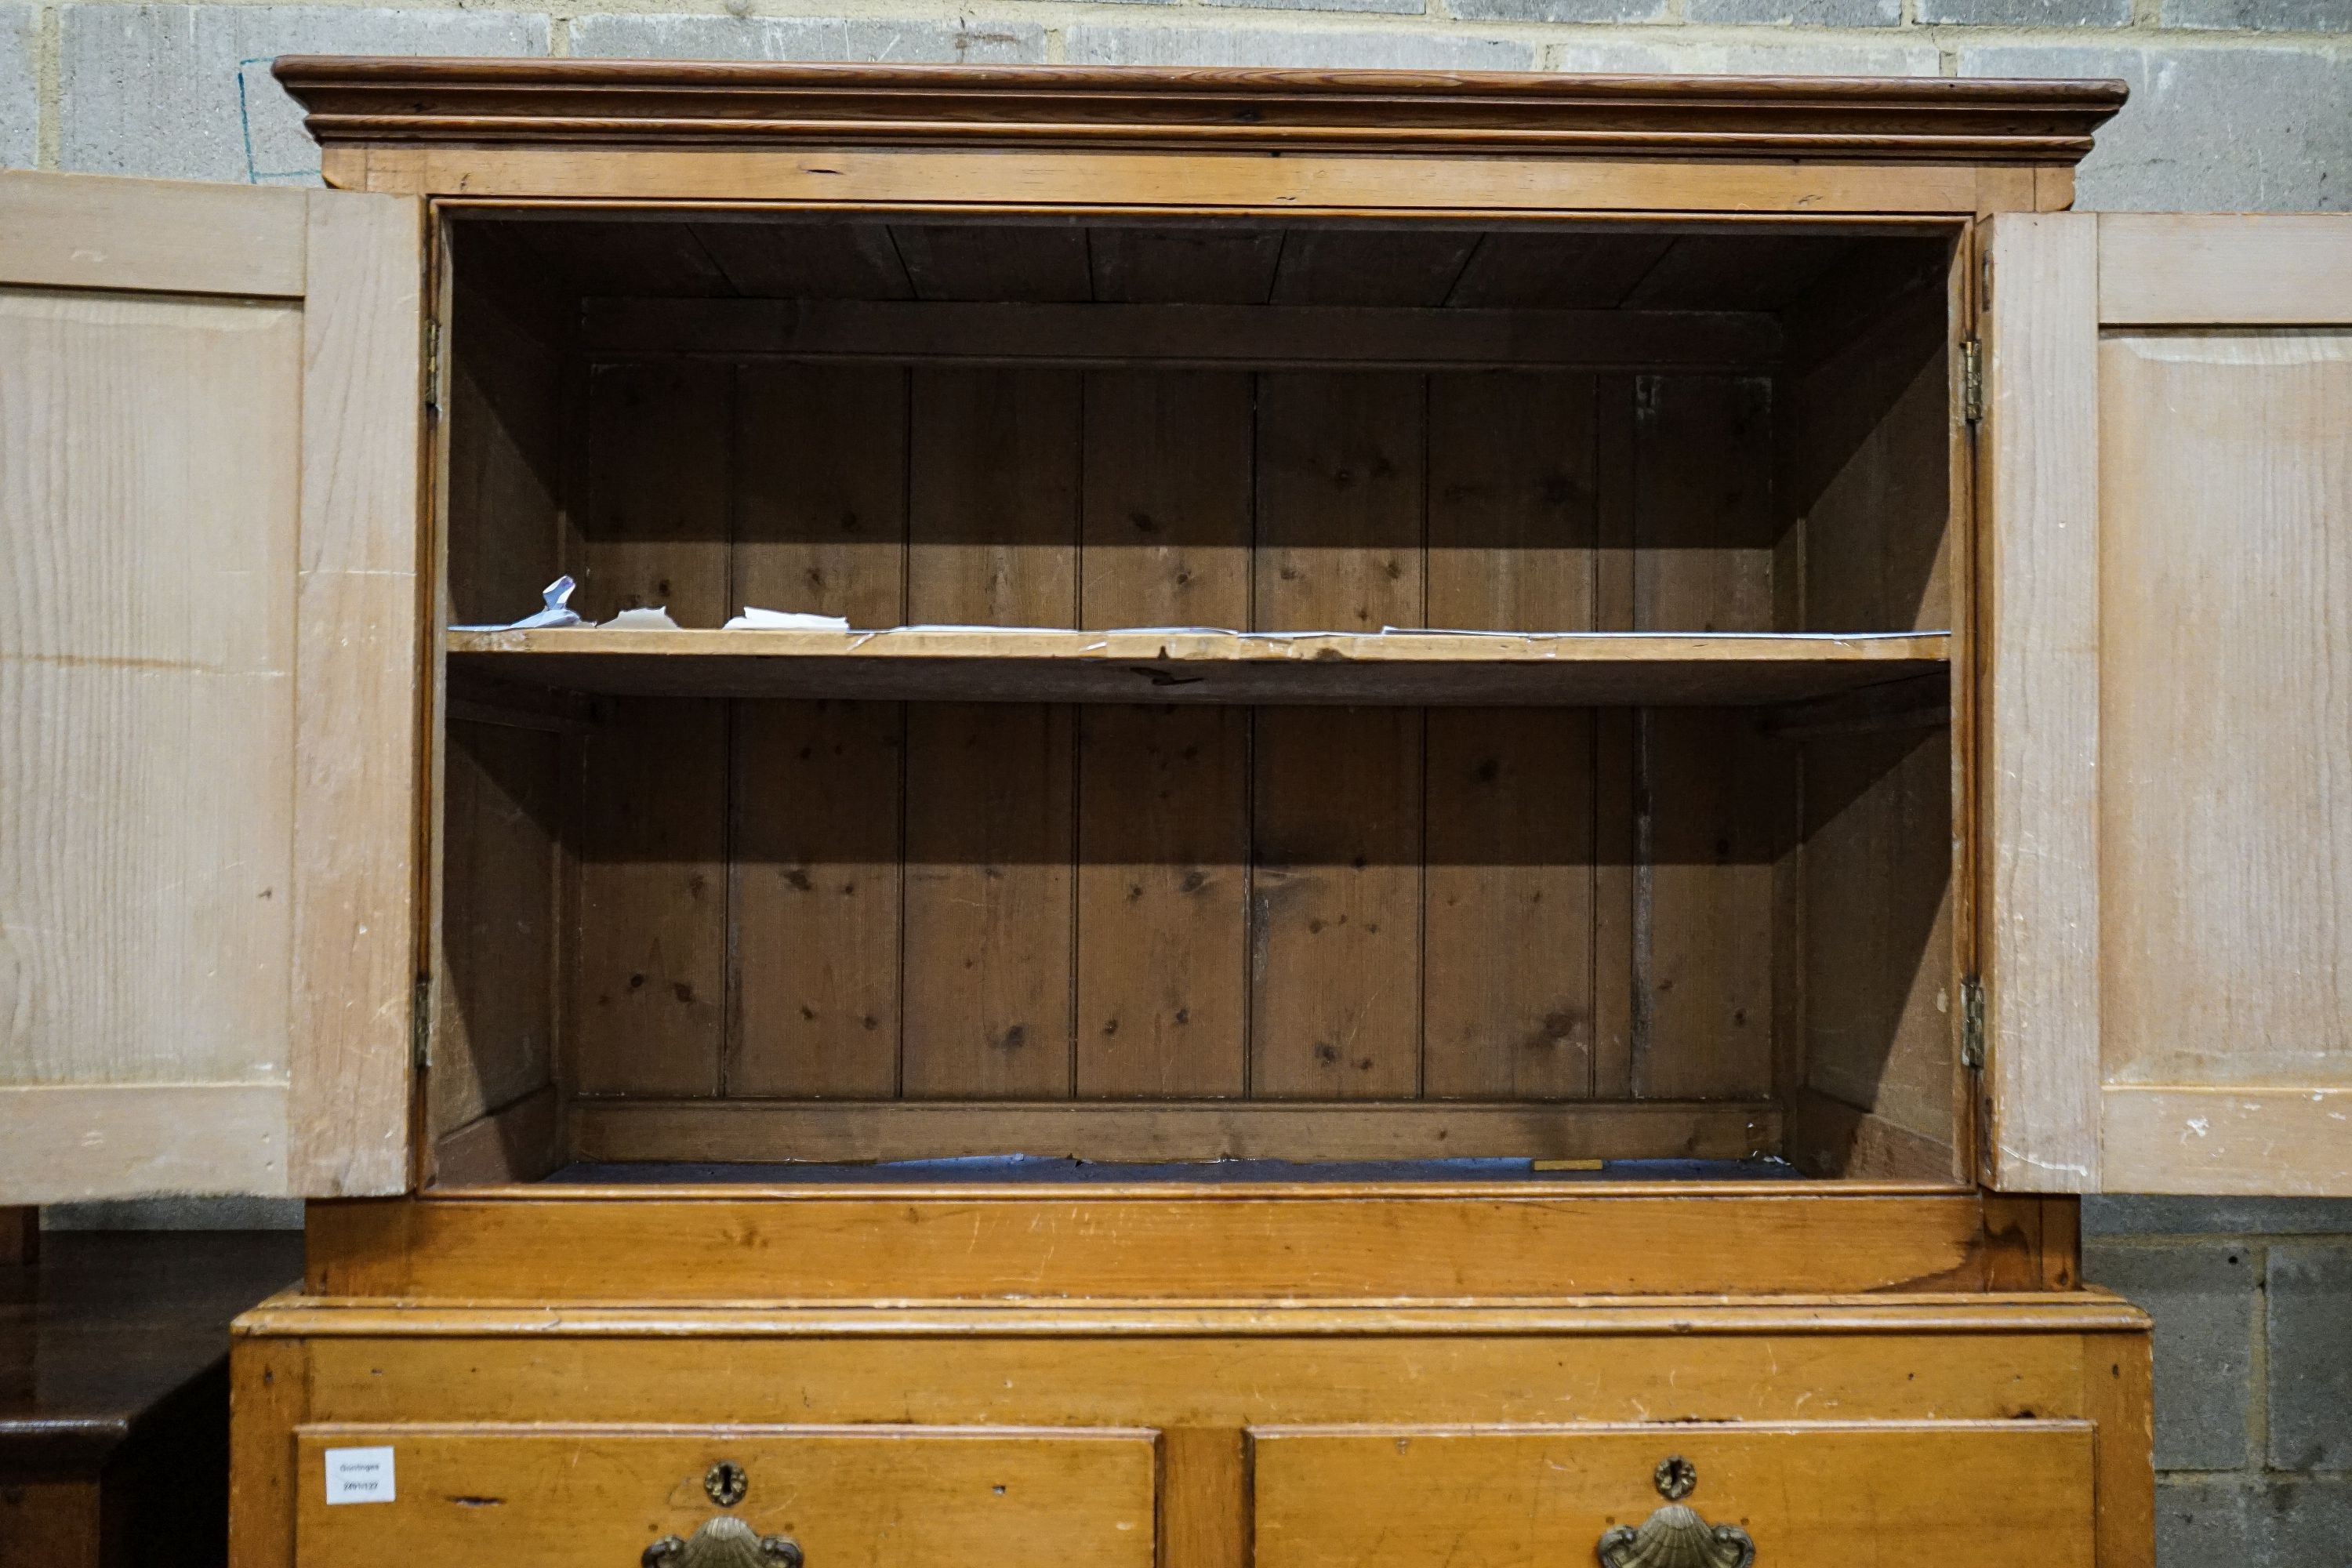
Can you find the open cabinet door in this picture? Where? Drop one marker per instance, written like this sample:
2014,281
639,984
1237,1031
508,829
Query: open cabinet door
2167,704
210,402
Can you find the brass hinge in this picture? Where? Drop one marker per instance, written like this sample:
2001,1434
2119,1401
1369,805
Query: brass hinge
1972,1042
1973,381
433,369
420,1024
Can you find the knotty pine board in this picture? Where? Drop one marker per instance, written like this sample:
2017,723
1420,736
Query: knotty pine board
1163,853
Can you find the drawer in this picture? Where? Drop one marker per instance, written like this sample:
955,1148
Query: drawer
854,1497
1956,1494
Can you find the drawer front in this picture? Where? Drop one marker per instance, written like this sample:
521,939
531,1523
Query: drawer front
1959,1495
864,1497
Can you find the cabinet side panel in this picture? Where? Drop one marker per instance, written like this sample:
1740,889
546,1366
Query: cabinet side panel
1872,434
495,957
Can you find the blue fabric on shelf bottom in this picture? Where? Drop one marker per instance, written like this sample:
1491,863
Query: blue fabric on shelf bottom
1048,1169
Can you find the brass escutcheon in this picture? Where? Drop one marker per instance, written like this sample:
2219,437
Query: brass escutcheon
726,1483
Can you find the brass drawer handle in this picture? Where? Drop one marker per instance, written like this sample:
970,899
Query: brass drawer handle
725,1541
1675,1536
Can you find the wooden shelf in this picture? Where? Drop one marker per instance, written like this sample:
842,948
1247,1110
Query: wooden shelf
973,665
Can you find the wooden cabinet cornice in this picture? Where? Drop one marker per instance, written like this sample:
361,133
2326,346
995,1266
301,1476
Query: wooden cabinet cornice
460,102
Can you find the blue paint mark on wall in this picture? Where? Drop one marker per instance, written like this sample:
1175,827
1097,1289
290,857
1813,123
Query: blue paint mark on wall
254,174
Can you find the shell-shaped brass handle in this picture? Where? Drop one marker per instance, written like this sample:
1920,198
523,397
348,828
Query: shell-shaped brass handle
725,1541
1675,1536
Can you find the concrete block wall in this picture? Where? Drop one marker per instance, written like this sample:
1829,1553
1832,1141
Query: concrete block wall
2236,105
2252,1302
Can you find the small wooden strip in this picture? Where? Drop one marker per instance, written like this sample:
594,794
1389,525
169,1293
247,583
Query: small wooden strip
2274,1141
521,1142
2225,269
2040,703
87,231
269,1394
358,675
1827,1137
68,1143
2009,1318
1243,336
1203,1475
851,1131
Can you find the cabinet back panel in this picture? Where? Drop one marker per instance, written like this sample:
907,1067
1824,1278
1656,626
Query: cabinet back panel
1021,902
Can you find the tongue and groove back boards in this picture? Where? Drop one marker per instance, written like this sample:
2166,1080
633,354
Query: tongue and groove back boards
869,901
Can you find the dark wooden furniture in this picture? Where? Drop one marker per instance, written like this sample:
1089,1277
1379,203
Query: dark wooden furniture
114,1394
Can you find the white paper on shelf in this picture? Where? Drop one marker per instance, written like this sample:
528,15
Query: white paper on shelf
640,619
555,610
755,619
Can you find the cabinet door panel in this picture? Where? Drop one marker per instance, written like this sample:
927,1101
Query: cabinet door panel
208,674
2168,723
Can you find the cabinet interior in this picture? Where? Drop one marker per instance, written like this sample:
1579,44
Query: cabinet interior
686,929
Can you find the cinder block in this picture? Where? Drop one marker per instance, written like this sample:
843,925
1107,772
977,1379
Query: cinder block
1801,13
20,98
2202,1298
185,90
2029,13
1393,8
1560,10
1217,43
2203,1521
2273,15
2310,1523
2228,130
2217,1216
1668,53
2257,1521
2311,1357
937,39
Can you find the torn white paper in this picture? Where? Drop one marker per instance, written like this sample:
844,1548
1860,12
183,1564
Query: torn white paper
555,610
755,619
640,619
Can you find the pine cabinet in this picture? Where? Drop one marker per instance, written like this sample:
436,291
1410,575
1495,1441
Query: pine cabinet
1514,778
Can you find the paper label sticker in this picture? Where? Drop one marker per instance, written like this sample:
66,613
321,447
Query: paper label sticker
358,1475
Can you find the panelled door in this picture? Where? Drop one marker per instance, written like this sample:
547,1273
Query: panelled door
210,400
2167,468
